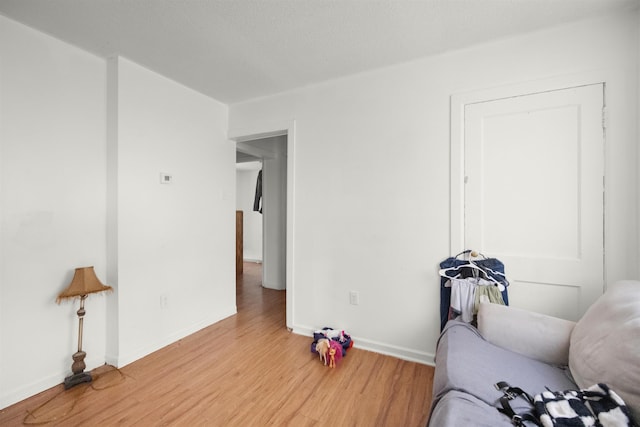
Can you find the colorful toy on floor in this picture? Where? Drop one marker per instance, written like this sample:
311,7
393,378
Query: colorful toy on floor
322,348
335,351
332,334
327,339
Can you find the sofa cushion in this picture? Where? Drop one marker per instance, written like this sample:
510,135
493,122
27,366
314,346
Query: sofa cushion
605,344
467,362
536,335
457,409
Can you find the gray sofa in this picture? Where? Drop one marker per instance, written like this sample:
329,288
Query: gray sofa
533,351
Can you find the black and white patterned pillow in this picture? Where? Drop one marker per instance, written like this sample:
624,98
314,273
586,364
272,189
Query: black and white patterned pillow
596,406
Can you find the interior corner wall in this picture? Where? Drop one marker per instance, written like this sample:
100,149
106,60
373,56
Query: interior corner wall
112,327
638,138
372,175
252,227
52,206
175,242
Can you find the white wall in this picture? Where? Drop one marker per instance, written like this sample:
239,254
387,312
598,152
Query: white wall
372,176
52,206
274,189
252,228
82,144
638,129
175,246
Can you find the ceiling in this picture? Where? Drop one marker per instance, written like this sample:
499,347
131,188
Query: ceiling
235,50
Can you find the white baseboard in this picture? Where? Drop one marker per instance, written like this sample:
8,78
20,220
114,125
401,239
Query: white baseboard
33,388
52,380
275,286
123,360
403,353
93,361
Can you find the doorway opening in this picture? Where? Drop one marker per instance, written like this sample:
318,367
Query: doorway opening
249,227
272,149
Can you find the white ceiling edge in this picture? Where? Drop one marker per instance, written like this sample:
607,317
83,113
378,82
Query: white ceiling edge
249,166
234,51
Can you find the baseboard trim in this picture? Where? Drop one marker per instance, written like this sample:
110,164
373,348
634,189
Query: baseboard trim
28,390
52,380
274,286
403,353
123,360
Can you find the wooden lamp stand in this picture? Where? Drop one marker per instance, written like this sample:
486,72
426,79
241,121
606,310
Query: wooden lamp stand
78,366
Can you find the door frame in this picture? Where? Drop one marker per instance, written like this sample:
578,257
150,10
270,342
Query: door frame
459,101
263,130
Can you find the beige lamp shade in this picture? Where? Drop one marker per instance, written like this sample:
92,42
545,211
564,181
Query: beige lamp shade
84,282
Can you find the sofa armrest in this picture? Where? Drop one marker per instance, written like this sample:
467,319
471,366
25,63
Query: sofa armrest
538,336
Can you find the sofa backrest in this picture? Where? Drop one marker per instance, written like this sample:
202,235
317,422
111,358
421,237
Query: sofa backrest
605,344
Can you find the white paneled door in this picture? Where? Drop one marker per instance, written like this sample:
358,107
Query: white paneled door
534,194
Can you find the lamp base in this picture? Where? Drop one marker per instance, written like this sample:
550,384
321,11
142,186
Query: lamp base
75,379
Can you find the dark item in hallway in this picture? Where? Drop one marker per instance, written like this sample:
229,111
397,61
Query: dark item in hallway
239,242
257,201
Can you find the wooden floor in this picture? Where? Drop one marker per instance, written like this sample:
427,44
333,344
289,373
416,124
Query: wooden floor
246,370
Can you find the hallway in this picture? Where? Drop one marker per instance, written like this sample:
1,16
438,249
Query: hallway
255,301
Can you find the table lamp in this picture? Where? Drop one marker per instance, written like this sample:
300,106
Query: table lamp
84,282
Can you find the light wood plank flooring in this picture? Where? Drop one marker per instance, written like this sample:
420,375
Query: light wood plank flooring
246,370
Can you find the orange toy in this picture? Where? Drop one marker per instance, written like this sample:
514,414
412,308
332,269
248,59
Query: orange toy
332,354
